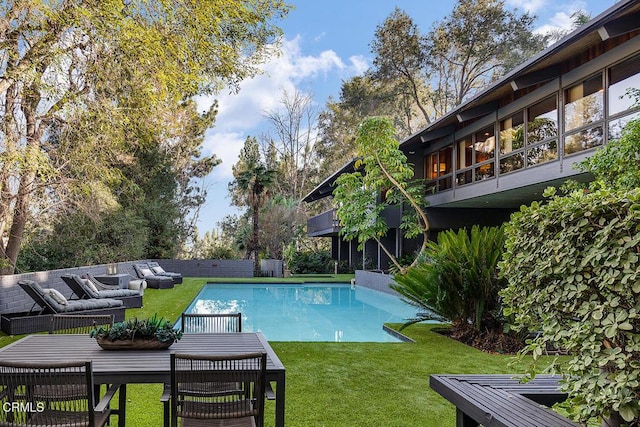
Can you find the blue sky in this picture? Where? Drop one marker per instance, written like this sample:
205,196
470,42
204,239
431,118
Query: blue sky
326,42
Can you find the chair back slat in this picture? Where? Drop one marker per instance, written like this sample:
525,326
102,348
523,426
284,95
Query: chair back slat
197,323
78,323
200,387
46,395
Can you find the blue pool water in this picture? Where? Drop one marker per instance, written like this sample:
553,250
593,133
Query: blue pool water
312,312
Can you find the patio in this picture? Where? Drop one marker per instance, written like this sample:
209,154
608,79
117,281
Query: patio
338,384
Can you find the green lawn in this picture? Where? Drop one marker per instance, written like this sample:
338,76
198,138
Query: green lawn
338,384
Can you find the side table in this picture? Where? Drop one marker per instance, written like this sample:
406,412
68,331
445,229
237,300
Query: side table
122,280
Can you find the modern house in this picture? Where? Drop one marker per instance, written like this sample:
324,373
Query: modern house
502,148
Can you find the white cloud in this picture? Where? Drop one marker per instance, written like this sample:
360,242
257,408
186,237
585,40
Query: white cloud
359,64
562,20
241,114
530,6
226,146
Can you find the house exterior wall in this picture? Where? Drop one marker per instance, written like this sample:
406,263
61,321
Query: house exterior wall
502,148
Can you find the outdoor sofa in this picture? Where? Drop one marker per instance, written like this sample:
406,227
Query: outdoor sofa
50,301
85,289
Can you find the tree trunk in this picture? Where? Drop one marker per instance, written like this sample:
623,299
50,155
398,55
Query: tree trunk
20,215
255,240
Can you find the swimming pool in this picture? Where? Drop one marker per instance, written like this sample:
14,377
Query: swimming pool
310,312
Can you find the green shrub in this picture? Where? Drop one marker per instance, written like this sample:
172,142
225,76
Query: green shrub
310,262
153,328
459,280
574,275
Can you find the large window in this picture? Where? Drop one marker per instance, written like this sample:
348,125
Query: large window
621,102
583,115
475,157
529,137
439,169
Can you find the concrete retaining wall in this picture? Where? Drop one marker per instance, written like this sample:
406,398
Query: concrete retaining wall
377,281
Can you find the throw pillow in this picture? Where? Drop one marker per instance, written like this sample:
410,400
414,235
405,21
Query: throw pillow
89,284
57,296
157,270
146,272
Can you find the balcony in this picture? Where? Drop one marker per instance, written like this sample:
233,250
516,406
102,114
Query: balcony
324,225
327,223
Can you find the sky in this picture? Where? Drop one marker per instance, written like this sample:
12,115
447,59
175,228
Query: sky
324,43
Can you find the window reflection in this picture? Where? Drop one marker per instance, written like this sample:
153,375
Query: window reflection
484,172
484,145
616,126
542,153
583,140
542,120
512,133
511,163
583,103
621,78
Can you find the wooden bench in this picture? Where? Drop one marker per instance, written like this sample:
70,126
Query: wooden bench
501,400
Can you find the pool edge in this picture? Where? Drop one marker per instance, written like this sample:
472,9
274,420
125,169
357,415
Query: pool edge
396,334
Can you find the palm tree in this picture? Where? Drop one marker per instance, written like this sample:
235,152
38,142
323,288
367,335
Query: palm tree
254,180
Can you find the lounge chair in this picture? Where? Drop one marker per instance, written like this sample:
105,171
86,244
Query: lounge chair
159,271
153,280
39,319
136,284
85,289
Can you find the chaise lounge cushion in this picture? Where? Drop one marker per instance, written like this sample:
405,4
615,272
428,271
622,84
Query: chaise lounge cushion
93,292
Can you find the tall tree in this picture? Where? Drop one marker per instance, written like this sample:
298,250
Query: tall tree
360,97
58,56
291,142
400,61
382,169
251,187
476,44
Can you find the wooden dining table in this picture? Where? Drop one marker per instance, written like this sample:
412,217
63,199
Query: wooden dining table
145,366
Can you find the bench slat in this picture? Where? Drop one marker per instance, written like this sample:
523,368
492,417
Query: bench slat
501,401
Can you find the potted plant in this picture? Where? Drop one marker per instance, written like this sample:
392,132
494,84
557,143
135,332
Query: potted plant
135,334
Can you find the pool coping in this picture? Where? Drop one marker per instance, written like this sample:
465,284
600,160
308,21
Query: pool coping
396,334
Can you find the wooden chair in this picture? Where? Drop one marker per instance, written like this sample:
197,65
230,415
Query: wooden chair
194,323
197,398
78,323
51,395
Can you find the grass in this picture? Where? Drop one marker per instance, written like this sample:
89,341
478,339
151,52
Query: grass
337,384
